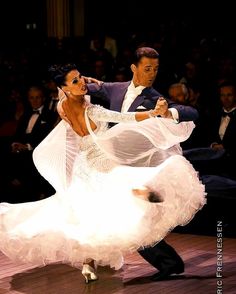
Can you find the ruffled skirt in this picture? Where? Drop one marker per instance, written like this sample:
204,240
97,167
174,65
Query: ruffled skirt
100,218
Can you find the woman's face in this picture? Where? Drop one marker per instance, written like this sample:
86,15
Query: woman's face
75,84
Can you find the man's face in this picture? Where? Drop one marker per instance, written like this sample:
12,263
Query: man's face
228,97
36,98
177,95
144,74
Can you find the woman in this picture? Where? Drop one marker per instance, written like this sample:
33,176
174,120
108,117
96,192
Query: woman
118,189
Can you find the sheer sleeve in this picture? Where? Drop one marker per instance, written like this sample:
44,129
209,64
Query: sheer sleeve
99,113
54,157
145,143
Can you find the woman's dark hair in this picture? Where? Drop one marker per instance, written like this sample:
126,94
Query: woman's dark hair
144,52
58,72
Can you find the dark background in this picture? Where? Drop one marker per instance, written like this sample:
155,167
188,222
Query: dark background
117,17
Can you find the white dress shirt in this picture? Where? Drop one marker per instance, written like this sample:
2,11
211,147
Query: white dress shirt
53,104
224,123
133,92
33,120
130,96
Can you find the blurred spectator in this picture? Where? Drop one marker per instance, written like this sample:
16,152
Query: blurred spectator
219,155
52,100
21,177
108,42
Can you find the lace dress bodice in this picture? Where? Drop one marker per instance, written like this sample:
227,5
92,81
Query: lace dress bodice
92,156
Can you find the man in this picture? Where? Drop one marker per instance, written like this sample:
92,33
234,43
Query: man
139,95
224,128
220,133
52,100
33,127
178,92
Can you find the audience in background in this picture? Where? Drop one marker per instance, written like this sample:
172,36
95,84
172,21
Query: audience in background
52,100
200,61
18,168
221,134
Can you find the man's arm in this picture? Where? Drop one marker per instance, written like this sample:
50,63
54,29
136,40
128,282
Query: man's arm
185,113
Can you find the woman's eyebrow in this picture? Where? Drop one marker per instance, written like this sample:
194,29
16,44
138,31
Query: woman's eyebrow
78,76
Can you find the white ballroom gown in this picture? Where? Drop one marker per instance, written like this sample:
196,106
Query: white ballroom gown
94,213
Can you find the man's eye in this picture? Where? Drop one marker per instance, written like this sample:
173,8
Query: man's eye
75,81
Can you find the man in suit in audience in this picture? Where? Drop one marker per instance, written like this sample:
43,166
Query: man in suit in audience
33,127
52,100
217,155
139,95
222,132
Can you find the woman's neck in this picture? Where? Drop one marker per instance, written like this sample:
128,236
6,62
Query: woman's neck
74,110
78,104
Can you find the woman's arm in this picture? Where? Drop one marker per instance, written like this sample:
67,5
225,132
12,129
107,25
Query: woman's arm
99,113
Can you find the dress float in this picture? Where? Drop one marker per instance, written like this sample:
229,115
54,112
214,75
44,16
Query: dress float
94,213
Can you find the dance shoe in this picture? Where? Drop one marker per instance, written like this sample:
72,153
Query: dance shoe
165,274
89,273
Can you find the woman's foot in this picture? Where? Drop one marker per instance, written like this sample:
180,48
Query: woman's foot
88,272
146,194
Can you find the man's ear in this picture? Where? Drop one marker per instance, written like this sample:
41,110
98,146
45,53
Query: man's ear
133,68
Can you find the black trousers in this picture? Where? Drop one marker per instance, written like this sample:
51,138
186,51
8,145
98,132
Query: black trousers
162,256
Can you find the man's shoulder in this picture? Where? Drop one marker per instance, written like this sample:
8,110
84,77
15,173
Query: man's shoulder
107,85
121,85
152,93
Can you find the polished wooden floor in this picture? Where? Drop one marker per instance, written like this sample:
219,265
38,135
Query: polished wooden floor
199,253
